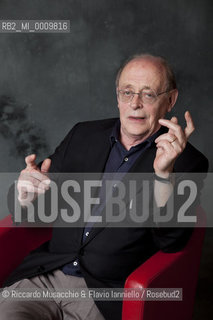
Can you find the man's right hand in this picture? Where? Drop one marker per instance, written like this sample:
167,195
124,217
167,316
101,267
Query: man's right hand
33,180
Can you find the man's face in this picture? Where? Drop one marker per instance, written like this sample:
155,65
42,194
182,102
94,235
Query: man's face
140,120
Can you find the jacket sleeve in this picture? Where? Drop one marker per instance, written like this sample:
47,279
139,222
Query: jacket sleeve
175,237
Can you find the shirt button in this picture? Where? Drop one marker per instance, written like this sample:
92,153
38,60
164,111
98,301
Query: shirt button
126,159
87,233
75,263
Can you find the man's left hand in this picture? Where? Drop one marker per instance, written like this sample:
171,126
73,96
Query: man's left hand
171,144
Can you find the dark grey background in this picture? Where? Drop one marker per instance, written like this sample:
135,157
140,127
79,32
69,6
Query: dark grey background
48,82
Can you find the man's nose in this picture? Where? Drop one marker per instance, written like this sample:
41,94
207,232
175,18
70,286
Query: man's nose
136,101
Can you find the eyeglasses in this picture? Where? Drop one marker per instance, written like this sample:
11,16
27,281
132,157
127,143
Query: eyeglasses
148,96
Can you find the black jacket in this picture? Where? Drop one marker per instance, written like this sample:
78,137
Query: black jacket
109,255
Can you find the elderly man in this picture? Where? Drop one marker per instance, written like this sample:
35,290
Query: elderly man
140,141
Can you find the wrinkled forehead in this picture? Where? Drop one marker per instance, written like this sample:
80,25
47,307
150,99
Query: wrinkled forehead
144,72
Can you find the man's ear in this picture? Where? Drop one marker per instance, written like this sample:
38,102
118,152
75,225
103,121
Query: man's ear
173,95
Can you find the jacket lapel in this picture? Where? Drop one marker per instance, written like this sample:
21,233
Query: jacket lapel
144,163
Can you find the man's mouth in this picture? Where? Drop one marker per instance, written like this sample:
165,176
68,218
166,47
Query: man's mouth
136,118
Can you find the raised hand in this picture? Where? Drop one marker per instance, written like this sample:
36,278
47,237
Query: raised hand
171,144
33,180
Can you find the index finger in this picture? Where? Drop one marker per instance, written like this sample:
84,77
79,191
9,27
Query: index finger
170,124
189,124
